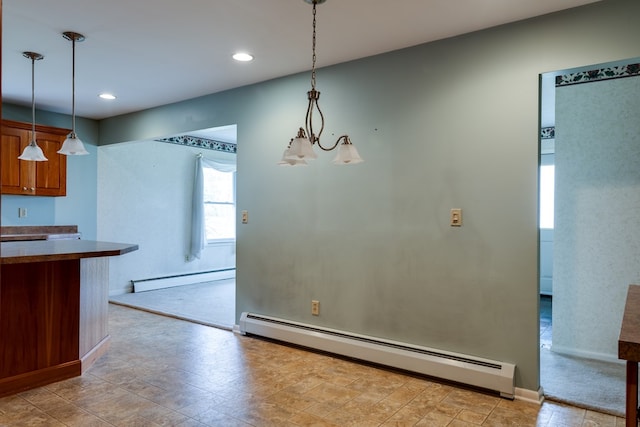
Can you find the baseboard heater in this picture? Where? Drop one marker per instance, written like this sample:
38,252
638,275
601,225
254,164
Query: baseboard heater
460,368
182,279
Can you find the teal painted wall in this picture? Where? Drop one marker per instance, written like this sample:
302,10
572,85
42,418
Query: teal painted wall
447,124
79,207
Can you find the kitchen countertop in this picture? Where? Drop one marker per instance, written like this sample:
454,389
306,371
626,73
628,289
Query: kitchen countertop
629,339
17,252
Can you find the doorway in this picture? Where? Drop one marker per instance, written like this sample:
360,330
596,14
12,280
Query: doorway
594,150
169,276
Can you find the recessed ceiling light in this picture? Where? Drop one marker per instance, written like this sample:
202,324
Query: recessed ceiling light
243,57
107,96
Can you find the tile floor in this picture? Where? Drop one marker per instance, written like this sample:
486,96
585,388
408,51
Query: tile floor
545,321
162,371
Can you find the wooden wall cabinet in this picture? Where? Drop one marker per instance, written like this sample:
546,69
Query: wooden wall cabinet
29,178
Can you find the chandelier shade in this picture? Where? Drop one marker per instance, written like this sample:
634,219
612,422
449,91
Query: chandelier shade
347,154
33,152
73,146
301,147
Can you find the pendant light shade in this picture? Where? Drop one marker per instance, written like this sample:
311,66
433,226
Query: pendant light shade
300,148
288,159
33,152
72,146
347,154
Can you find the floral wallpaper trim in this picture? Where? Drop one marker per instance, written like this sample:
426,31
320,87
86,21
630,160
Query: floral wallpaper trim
629,70
209,144
548,132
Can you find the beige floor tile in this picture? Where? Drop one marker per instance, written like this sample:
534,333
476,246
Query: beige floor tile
403,417
503,417
597,419
434,419
196,376
472,401
304,419
72,415
329,393
471,417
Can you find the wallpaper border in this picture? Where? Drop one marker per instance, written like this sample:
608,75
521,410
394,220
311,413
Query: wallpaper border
194,141
607,73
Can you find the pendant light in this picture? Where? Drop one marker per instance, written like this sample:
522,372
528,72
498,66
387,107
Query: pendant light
32,151
72,146
300,148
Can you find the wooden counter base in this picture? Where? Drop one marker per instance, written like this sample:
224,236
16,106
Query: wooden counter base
53,311
39,378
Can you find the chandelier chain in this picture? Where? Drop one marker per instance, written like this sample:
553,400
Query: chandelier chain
313,45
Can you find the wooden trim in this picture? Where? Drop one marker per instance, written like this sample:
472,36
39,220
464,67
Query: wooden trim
39,128
29,380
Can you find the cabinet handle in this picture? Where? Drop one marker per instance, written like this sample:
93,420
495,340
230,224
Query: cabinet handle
24,188
33,189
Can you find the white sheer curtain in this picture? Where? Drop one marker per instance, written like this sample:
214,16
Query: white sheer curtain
198,231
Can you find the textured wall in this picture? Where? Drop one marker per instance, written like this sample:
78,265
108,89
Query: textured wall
145,198
597,234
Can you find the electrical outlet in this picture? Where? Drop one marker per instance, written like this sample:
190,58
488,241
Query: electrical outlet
245,217
22,212
315,307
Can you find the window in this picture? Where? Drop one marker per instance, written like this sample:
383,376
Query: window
547,186
219,204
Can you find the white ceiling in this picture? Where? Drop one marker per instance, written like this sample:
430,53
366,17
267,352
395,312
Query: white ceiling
155,52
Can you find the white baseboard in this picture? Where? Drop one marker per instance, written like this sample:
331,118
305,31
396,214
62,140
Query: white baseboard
531,396
525,395
182,279
126,290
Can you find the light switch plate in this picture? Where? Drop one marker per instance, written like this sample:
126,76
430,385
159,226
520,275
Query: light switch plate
456,217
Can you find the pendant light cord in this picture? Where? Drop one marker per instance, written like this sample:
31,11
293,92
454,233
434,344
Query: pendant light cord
33,99
73,86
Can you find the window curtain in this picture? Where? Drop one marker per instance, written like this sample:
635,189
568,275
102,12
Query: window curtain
198,231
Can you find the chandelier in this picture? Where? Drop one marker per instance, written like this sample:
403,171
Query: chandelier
300,148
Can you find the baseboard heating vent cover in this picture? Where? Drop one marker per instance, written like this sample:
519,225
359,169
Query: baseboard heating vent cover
152,284
460,368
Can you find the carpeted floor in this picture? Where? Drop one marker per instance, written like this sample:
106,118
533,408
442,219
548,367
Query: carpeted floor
585,383
209,303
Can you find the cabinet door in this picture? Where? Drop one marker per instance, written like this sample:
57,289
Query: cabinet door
18,177
51,176
32,178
